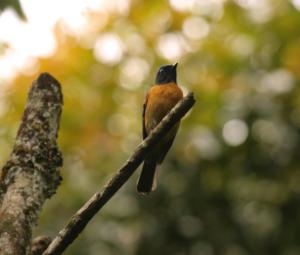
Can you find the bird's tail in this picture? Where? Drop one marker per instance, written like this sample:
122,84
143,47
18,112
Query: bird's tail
147,182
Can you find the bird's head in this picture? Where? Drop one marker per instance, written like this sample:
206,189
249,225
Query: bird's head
166,74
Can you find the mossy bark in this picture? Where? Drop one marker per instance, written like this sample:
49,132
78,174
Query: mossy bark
31,175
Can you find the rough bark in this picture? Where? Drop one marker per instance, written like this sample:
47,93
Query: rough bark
31,175
81,218
40,244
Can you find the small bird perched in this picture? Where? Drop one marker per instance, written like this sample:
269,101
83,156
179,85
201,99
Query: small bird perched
160,99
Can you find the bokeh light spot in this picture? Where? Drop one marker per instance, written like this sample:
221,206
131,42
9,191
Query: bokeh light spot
235,132
108,49
133,72
210,8
296,4
195,28
171,46
260,11
242,45
180,5
277,82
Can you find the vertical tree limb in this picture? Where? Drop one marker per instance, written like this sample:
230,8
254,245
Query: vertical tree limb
31,175
81,218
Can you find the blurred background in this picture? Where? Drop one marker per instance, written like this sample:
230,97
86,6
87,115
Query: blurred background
231,183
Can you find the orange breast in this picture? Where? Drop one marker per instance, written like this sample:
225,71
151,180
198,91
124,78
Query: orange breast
161,99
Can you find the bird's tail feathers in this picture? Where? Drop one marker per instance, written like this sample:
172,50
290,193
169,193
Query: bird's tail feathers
147,181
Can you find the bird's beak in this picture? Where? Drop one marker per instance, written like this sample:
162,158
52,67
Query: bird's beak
175,66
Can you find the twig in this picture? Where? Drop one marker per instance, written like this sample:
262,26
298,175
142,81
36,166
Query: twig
80,219
31,175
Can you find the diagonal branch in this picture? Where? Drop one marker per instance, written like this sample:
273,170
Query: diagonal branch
31,175
80,219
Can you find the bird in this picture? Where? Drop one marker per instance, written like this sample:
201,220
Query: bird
159,101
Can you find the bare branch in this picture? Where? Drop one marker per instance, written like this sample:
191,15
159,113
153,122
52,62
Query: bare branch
31,175
80,219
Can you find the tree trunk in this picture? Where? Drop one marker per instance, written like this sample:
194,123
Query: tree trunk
31,175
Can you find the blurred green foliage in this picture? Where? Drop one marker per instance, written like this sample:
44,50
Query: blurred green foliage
231,183
14,4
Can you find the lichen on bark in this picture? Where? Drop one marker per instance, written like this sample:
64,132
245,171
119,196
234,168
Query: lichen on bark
31,175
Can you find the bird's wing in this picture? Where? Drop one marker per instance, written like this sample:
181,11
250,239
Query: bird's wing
144,110
164,149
